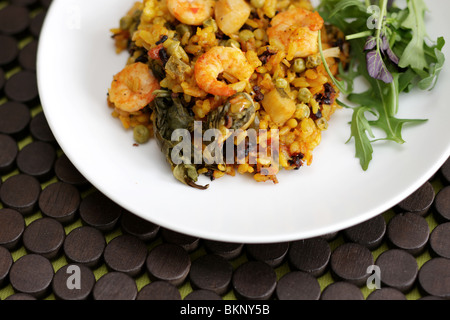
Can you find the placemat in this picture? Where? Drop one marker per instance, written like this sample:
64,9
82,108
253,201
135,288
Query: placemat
60,238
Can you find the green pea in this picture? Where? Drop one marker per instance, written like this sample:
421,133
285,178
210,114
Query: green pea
281,83
257,3
313,61
322,123
141,134
233,43
304,95
299,65
210,22
246,35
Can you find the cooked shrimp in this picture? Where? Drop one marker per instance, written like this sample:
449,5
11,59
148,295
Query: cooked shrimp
132,88
191,12
217,60
296,31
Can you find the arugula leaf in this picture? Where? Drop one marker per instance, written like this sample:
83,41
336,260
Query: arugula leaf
414,55
435,67
393,59
360,131
341,5
339,84
348,75
406,81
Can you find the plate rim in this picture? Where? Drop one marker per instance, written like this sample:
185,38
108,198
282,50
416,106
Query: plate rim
232,237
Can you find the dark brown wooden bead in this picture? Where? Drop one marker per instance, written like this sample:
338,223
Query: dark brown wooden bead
22,87
386,294
159,290
433,298
310,255
40,130
60,201
27,56
445,172
189,243
211,272
73,282
440,240
298,285
10,50
36,23
136,226
408,231
369,233
45,3
14,119
254,280
330,236
20,297
2,79
27,3
442,205
398,269
44,236
37,159
127,254
14,20
168,262
21,192
349,262
115,286
271,253
100,212
32,274
418,202
8,155
341,290
202,295
227,250
12,225
85,245
433,277
6,262
66,172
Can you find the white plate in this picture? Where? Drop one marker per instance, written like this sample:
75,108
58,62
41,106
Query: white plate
76,63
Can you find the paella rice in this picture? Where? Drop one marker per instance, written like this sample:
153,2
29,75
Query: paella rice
222,62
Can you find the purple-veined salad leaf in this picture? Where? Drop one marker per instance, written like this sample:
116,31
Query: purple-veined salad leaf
376,67
377,50
388,51
371,43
